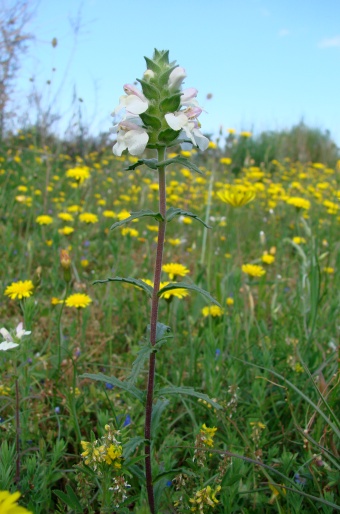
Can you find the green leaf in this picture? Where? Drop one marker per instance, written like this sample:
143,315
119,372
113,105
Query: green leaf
138,364
170,104
131,445
125,386
188,164
151,163
138,214
129,280
149,90
173,211
70,498
151,121
168,136
187,391
161,332
191,287
157,411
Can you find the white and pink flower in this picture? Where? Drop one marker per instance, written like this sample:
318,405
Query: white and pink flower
130,136
134,101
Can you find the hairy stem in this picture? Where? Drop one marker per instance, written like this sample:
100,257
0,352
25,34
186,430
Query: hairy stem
153,330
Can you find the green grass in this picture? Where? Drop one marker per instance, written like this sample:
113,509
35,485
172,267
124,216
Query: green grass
270,361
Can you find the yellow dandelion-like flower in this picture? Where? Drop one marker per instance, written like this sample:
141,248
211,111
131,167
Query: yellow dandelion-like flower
109,214
267,258
212,310
74,208
230,301
174,242
78,300
225,160
65,216
329,270
177,292
127,231
299,240
236,196
21,289
88,217
44,219
174,269
66,231
9,505
298,202
80,173
245,133
253,270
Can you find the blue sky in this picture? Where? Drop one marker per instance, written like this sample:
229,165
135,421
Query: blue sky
268,64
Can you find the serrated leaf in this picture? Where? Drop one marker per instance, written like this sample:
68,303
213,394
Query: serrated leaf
170,104
191,287
128,280
138,214
168,136
138,364
149,90
151,121
131,445
187,391
125,386
173,211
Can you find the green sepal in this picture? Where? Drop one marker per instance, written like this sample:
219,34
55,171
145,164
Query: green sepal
170,104
164,77
128,280
138,214
149,90
190,287
125,386
162,56
168,136
174,211
151,121
189,391
151,65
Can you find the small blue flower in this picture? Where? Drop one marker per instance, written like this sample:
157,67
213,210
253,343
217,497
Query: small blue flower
127,421
109,386
217,353
299,479
57,410
169,483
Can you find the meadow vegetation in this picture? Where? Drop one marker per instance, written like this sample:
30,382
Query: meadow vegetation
246,417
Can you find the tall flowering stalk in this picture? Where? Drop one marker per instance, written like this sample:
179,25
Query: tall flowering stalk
159,115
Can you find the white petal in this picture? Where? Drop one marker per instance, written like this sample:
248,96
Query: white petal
201,141
135,105
176,122
5,345
6,334
136,141
176,78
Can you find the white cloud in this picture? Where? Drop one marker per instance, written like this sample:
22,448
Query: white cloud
330,42
283,33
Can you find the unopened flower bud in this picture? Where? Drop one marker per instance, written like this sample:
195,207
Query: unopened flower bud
176,78
65,261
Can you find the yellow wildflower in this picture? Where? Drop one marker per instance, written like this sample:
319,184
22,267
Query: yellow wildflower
9,505
44,219
88,217
174,269
212,310
253,270
20,289
236,196
78,300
